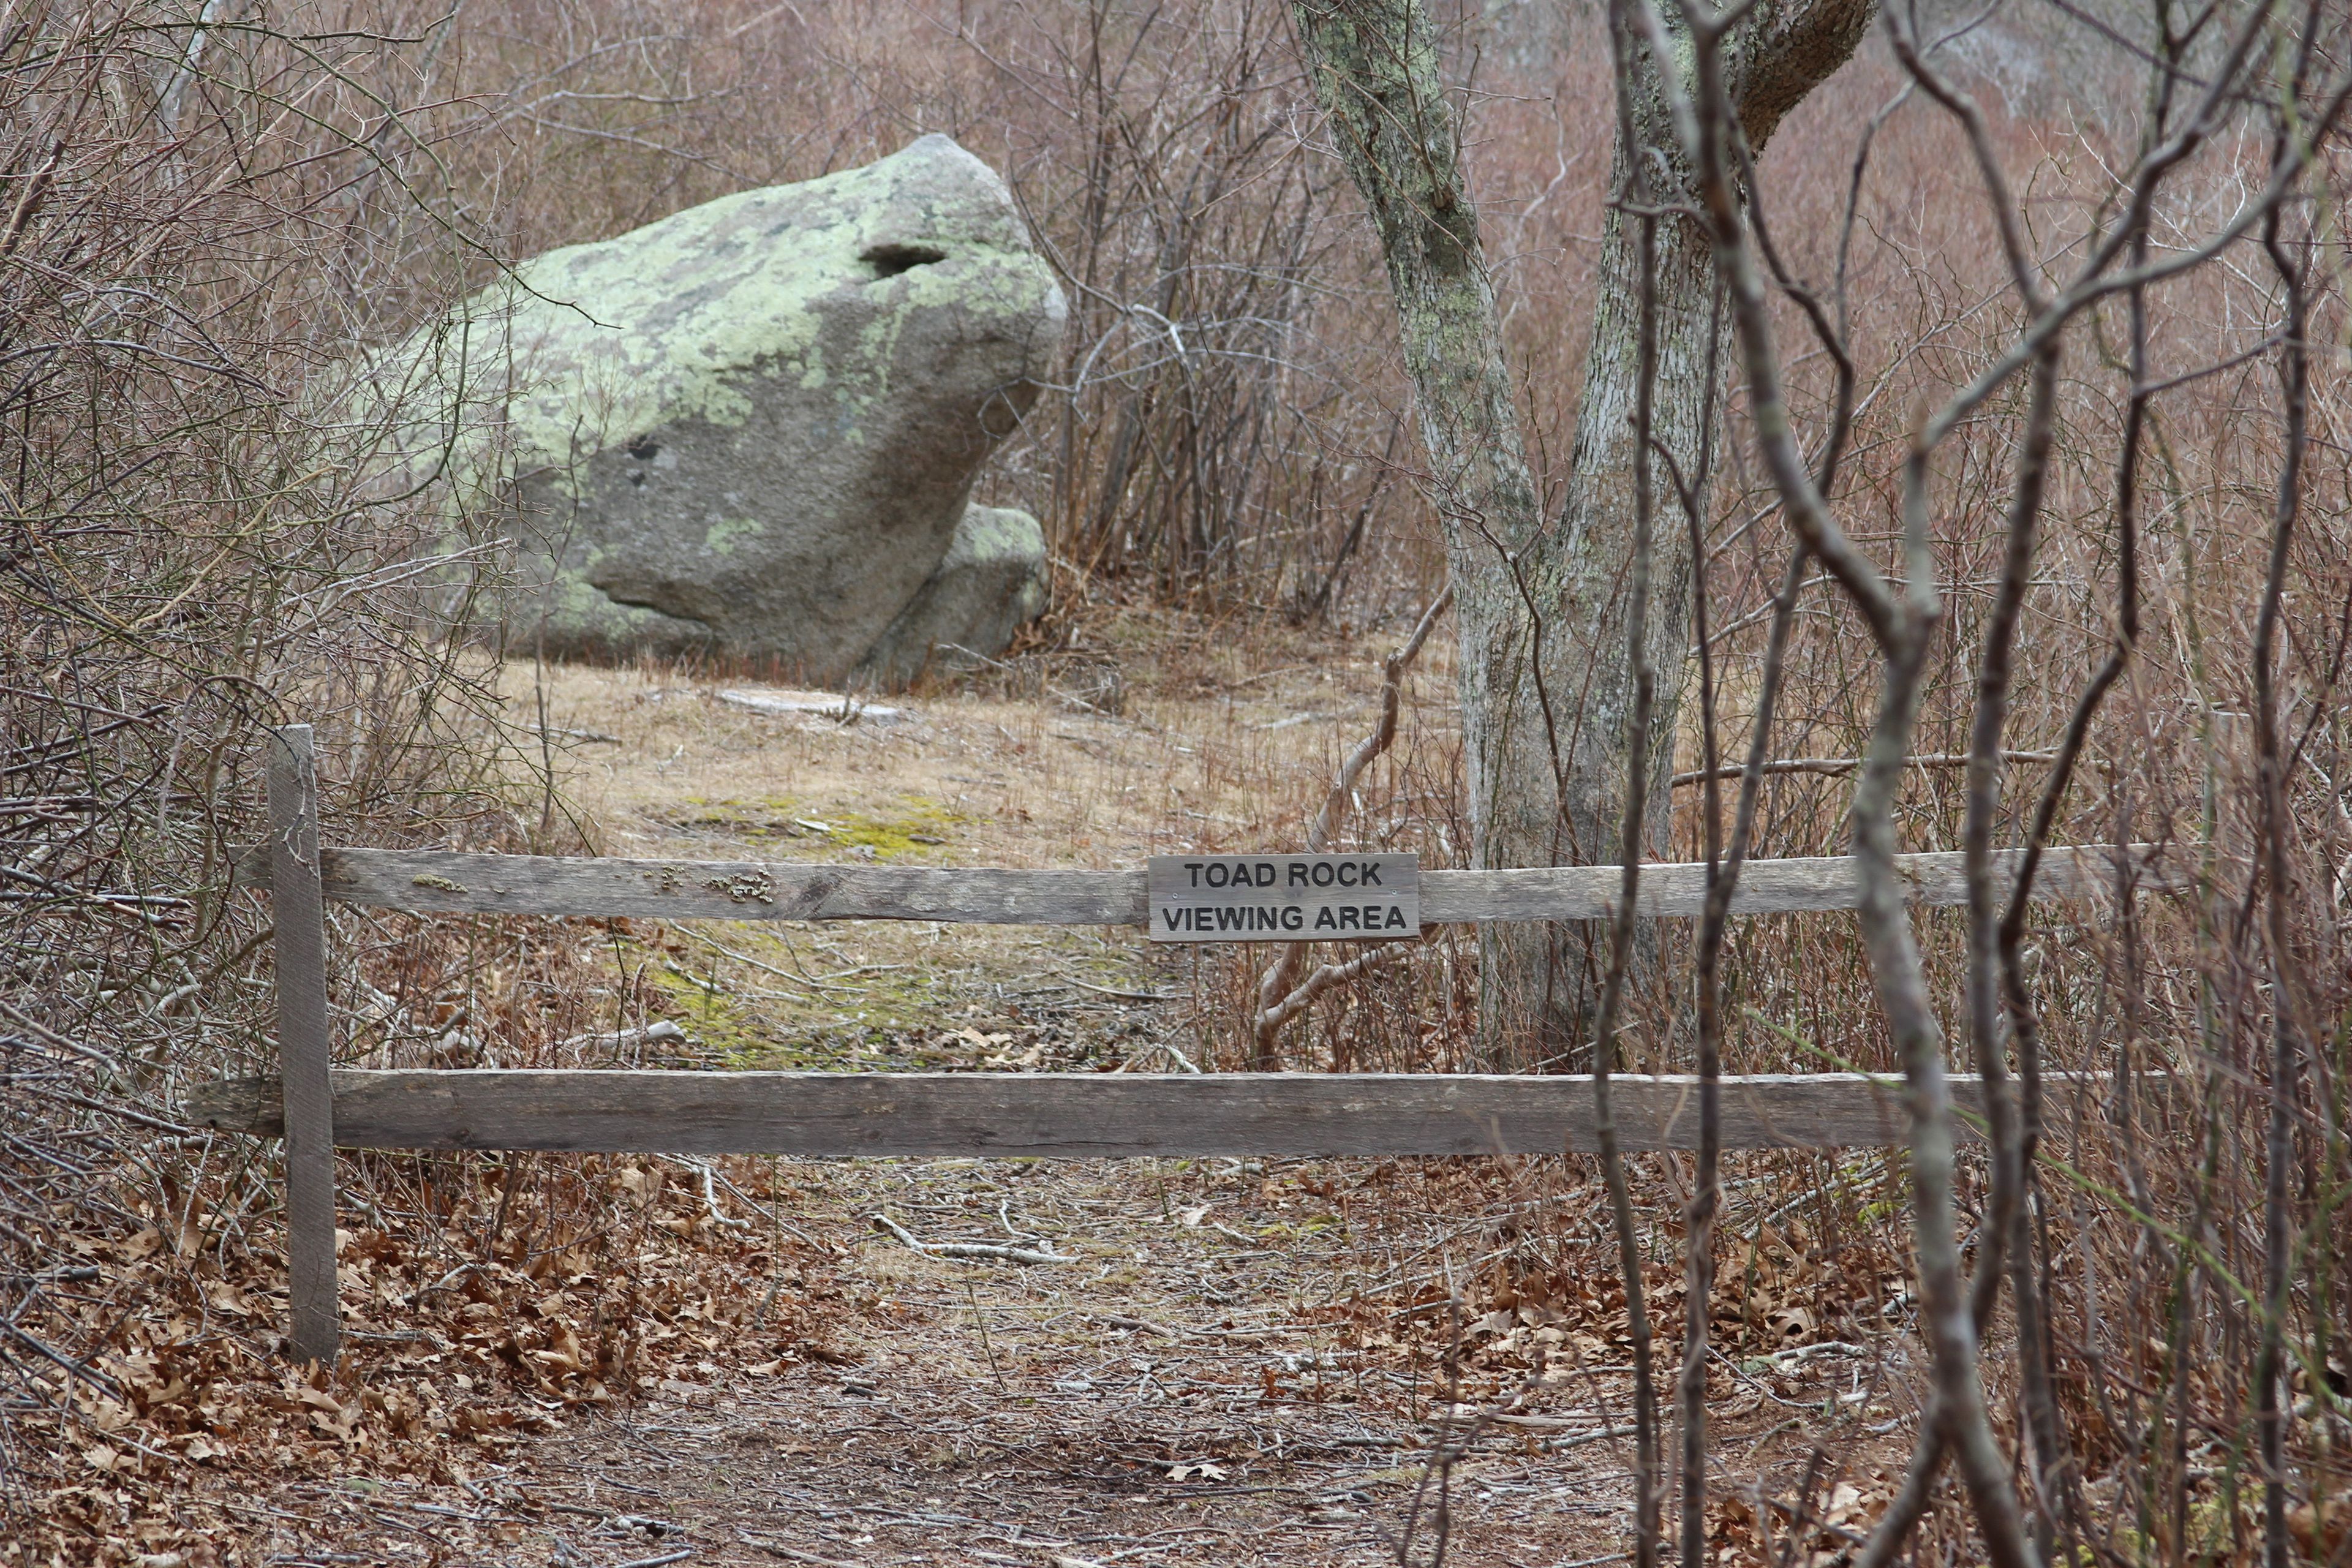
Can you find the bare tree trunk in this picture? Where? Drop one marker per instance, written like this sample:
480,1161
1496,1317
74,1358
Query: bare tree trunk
1546,687
1554,795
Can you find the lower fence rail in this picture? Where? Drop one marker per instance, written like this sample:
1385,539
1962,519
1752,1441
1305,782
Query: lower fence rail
1089,1116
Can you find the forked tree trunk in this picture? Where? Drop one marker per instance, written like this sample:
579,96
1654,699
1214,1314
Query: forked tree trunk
1545,690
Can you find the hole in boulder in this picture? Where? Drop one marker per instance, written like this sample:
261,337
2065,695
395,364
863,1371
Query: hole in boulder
889,260
643,449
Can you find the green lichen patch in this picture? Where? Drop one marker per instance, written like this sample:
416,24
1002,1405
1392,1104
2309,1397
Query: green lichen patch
725,1031
794,997
914,826
682,320
919,825
723,536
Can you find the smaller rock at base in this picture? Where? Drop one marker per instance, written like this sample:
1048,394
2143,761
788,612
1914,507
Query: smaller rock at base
991,582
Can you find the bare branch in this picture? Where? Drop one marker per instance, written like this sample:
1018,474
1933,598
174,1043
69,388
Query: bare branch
1277,1001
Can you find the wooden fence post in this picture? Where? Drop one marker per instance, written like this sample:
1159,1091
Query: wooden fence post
298,906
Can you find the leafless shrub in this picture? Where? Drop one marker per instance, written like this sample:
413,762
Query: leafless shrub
2070,282
199,212
2094,414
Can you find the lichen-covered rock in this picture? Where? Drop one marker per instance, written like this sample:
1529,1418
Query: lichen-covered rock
991,582
752,426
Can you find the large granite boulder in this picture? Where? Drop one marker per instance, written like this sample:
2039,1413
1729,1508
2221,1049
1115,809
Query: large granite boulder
752,426
991,582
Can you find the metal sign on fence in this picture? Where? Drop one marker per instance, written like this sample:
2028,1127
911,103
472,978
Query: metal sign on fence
1283,898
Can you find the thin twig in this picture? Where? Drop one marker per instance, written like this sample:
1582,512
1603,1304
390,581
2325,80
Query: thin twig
1834,766
978,1251
1280,997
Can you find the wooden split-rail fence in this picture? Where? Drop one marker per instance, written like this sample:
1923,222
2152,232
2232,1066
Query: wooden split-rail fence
315,1107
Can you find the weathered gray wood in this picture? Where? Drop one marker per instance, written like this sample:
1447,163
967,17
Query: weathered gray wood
440,881
1768,887
308,1124
1068,1115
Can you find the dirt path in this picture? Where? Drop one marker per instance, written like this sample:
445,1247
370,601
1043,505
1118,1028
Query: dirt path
1242,1366
1223,1377
1196,1393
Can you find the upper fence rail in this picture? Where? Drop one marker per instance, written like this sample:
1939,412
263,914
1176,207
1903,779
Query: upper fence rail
433,881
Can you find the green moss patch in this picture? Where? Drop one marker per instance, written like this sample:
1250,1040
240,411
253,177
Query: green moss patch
914,824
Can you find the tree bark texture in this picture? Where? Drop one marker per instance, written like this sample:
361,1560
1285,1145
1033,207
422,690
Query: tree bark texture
1546,688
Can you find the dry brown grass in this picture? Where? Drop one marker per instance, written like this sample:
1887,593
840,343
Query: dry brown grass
1225,734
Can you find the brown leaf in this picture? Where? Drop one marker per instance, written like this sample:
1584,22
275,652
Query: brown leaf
2322,1525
